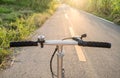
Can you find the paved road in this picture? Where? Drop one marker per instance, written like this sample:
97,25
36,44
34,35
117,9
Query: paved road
95,63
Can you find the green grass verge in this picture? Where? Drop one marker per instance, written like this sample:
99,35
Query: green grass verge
19,19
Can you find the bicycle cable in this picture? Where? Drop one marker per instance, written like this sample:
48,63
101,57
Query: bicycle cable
52,73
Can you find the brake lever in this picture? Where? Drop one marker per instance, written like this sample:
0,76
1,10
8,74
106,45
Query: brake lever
76,38
83,36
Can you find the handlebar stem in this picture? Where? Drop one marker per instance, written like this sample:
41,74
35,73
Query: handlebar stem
60,55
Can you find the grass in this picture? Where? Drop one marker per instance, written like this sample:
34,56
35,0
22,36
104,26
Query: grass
19,19
5,10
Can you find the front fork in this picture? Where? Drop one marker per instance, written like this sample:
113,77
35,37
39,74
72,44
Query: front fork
60,69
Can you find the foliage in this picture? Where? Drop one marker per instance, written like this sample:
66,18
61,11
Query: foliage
109,9
19,18
7,2
4,10
3,53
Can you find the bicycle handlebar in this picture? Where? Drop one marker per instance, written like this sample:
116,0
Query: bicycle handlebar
62,42
23,44
96,44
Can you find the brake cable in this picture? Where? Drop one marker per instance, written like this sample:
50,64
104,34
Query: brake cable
76,38
52,73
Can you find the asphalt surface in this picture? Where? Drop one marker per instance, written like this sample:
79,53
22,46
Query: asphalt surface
33,62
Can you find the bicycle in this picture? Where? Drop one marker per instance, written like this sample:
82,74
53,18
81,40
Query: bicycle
59,48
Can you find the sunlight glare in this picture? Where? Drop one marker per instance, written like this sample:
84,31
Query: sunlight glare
80,3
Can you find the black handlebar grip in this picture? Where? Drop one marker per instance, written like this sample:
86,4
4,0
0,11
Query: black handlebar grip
23,44
97,44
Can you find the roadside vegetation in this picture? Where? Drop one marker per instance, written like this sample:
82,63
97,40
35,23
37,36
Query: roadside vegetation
108,9
19,18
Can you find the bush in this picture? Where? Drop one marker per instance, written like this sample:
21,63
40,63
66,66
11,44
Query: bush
5,10
7,2
18,22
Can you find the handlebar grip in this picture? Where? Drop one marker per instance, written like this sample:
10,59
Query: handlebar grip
97,44
23,44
